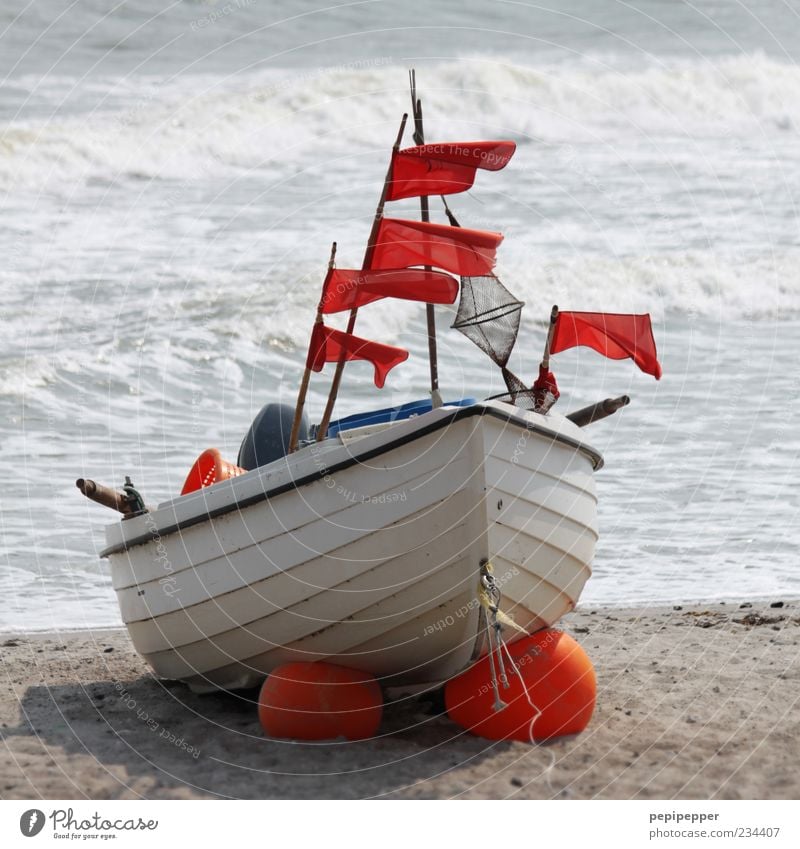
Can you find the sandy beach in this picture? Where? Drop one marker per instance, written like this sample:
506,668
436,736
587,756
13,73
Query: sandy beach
693,702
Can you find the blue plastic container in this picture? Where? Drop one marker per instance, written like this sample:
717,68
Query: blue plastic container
391,414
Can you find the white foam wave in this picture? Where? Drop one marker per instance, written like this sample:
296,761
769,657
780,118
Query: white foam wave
691,283
22,375
197,324
197,127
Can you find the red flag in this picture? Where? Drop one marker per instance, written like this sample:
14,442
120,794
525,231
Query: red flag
616,336
349,288
444,168
328,345
469,253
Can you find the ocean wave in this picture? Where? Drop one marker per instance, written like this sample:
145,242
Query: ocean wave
692,283
198,127
177,335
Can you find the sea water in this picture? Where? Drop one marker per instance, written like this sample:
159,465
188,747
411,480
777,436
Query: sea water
172,176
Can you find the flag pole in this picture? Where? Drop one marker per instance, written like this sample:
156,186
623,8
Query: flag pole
549,341
419,139
544,390
301,395
322,430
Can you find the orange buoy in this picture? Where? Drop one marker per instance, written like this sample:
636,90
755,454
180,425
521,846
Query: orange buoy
320,701
560,682
209,468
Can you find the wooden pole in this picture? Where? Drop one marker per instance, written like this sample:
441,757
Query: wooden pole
550,331
301,395
322,430
419,139
600,410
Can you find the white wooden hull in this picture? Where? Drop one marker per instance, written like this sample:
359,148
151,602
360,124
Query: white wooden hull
367,552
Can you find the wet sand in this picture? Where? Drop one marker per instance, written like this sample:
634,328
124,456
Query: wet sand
693,702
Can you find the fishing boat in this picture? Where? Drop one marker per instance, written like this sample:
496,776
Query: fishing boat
372,541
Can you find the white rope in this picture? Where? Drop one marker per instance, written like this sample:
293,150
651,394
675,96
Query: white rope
489,596
548,770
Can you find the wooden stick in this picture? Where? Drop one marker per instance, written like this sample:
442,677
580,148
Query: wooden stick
424,208
551,330
106,496
322,430
301,395
600,410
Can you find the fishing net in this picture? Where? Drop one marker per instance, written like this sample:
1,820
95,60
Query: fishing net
488,315
525,399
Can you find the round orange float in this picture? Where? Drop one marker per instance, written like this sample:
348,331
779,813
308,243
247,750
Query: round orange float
560,682
320,701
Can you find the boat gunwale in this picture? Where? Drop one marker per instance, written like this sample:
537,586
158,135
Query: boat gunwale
480,409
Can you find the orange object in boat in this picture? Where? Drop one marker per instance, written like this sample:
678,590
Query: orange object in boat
209,468
320,701
553,695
